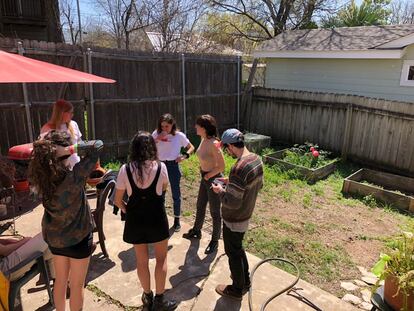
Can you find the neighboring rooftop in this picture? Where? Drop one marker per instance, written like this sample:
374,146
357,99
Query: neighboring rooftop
344,38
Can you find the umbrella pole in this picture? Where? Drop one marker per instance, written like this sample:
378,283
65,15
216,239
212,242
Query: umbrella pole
91,99
26,100
28,115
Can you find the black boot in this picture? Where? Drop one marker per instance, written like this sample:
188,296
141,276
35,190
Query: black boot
147,301
192,234
177,225
212,247
163,304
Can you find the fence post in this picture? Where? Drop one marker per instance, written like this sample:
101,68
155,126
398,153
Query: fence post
26,99
91,100
247,96
238,91
184,99
347,132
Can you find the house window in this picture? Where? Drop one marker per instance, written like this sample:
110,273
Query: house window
407,73
411,73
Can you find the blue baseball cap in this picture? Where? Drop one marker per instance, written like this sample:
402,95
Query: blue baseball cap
232,136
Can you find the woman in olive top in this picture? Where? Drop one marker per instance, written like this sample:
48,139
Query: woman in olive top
67,222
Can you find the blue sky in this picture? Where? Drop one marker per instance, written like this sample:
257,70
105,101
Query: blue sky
88,9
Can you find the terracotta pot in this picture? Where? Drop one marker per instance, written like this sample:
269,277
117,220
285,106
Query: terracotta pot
396,302
21,185
96,175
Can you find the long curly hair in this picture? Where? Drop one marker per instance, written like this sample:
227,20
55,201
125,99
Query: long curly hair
141,149
7,171
46,169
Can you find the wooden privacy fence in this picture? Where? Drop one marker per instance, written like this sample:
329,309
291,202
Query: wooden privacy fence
368,130
148,85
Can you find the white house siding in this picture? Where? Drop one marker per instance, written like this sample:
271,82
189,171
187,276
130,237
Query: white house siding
378,78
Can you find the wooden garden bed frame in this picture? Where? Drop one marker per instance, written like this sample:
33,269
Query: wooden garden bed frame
353,185
312,175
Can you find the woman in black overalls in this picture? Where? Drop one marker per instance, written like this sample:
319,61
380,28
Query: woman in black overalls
145,179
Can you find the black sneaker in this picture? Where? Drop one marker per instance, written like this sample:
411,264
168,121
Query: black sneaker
212,247
192,234
163,304
177,226
147,301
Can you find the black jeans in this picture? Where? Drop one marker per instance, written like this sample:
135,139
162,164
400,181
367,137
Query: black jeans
207,195
239,266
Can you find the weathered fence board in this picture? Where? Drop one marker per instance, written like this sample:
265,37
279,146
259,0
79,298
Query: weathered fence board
148,85
380,131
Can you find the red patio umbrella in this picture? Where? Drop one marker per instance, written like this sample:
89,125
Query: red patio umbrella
15,68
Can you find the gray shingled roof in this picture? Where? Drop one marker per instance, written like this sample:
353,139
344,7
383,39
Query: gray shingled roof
336,39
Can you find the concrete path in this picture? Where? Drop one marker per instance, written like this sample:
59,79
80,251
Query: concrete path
192,276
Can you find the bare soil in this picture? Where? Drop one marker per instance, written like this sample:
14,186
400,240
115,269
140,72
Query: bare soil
359,230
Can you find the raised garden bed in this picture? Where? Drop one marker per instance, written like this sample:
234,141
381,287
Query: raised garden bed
310,174
395,190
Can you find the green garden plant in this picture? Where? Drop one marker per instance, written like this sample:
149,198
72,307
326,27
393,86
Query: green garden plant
307,155
398,264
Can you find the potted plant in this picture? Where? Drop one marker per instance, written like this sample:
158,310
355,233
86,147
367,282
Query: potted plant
397,270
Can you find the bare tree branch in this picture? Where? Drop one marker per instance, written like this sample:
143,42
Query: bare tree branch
273,16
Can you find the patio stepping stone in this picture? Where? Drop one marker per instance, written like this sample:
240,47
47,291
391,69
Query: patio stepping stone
355,300
349,286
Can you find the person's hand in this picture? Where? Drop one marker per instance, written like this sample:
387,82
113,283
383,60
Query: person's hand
180,159
217,188
162,137
207,176
123,209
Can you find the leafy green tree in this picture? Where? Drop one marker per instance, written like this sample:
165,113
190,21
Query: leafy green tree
370,12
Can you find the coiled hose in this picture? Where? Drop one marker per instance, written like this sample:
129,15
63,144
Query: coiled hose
268,300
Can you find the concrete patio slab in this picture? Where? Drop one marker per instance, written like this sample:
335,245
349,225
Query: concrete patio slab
191,280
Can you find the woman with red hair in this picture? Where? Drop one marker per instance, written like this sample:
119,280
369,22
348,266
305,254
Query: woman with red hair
61,120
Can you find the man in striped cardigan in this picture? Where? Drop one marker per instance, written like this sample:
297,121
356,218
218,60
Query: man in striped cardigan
238,195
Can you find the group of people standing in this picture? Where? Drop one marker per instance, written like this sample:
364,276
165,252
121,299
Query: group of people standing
62,162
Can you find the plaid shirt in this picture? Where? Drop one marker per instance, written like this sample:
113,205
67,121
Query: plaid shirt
67,219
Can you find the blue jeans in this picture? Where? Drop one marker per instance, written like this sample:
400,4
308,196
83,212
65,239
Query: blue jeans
174,176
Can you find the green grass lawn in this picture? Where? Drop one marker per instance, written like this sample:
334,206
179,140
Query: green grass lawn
324,232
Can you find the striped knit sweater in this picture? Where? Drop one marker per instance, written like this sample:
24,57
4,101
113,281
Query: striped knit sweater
245,181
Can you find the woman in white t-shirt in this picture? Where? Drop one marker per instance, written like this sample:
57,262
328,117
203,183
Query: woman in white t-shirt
61,120
145,179
169,142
